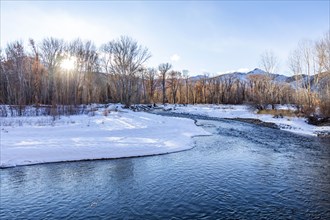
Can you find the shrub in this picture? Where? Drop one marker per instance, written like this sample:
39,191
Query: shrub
278,113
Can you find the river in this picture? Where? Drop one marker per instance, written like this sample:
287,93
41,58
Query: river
242,171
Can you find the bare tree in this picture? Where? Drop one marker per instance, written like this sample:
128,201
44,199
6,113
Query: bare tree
259,91
50,53
125,57
322,56
295,65
151,83
90,66
269,62
37,70
3,81
164,68
16,70
174,81
326,46
185,74
306,50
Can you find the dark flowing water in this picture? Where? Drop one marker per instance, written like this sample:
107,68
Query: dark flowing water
241,172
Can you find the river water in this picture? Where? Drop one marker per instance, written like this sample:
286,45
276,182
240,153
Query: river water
242,171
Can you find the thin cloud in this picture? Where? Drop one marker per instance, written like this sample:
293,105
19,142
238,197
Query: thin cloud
175,58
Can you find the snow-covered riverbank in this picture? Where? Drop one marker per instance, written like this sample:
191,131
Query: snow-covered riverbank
292,124
32,140
123,133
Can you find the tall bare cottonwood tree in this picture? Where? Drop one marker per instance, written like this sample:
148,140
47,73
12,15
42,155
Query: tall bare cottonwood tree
164,68
50,52
174,83
124,58
151,83
269,62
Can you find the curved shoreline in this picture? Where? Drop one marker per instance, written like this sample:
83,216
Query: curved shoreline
194,117
292,125
95,159
104,158
120,135
169,114
256,122
204,117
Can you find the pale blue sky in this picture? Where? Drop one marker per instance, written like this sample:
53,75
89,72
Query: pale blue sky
201,36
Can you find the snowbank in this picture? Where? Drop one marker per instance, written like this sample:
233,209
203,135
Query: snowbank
292,124
32,140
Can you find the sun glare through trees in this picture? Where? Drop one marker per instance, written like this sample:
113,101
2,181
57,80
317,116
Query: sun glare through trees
68,63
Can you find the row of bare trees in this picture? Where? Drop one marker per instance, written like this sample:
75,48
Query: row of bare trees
54,72
313,60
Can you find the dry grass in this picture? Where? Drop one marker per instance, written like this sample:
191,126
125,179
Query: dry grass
106,112
284,113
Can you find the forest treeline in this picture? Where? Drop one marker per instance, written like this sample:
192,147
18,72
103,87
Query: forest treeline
54,72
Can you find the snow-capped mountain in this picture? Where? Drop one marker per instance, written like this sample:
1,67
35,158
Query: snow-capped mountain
256,71
317,81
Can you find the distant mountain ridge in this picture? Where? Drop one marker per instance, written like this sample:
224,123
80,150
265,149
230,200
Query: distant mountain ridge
316,81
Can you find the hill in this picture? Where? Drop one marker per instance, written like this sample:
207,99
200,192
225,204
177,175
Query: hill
317,81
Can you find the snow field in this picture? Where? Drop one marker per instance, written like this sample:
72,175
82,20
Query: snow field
33,140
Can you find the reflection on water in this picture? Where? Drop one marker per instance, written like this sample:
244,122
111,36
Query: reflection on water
241,172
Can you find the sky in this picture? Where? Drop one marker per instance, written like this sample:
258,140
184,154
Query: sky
199,36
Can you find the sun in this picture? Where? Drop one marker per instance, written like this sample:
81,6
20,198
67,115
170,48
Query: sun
68,63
